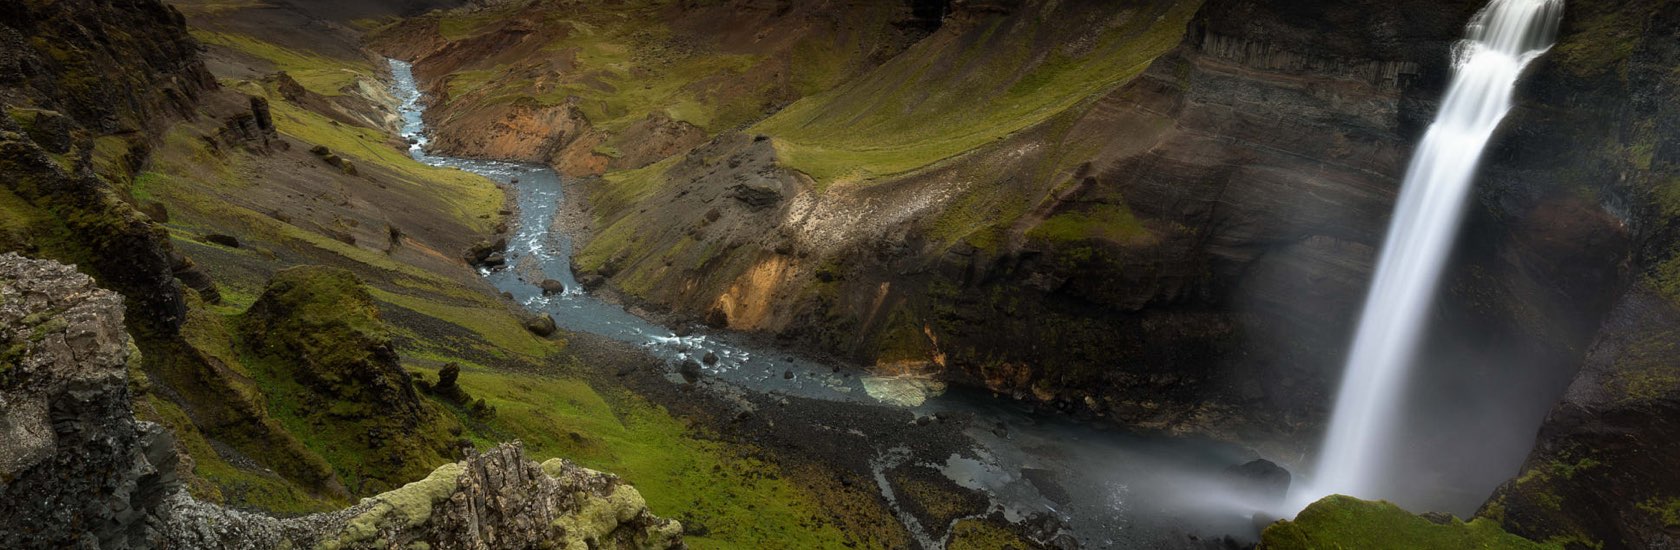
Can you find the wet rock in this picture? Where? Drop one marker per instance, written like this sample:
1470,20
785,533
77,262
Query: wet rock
1045,482
683,331
551,287
590,281
225,240
787,375
1260,478
1603,465
479,252
541,326
710,359
495,259
690,370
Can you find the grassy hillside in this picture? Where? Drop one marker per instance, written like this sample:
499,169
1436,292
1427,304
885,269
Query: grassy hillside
967,87
398,226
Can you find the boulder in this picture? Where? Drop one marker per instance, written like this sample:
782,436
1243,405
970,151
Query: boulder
1259,478
225,240
551,287
155,210
690,370
541,326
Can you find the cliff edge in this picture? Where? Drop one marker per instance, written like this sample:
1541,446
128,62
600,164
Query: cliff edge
78,470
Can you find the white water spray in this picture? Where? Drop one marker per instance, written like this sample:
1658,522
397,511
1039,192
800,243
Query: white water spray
1499,42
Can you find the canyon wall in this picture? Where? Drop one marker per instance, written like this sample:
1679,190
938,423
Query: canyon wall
1183,249
1599,127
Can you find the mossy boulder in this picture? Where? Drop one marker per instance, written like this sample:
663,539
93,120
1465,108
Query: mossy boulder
1339,521
317,332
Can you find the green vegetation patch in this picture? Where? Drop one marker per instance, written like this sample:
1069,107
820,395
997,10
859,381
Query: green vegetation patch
1109,222
1338,522
921,108
740,501
1666,510
329,370
317,73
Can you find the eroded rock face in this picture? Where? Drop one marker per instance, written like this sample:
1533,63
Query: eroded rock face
1603,470
77,470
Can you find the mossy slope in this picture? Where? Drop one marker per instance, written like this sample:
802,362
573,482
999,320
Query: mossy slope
1345,522
330,371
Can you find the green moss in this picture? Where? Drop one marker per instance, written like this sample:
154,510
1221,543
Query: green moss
970,534
327,366
496,327
404,508
1345,522
228,483
742,501
1608,38
1666,510
1109,222
597,517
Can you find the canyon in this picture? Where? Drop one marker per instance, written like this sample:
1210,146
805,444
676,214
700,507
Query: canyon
1037,226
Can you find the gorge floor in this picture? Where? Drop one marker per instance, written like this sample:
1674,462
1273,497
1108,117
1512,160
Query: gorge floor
1051,480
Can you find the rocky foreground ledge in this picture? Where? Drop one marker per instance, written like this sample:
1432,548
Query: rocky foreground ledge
78,471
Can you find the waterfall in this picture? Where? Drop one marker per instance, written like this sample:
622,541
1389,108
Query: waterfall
1499,41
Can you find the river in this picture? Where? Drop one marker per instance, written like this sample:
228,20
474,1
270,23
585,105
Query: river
1107,488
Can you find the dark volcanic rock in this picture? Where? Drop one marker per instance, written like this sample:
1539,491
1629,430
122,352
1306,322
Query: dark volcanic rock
225,240
1604,467
1260,478
758,192
76,469
551,287
690,371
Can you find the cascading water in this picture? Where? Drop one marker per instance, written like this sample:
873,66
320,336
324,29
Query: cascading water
1500,41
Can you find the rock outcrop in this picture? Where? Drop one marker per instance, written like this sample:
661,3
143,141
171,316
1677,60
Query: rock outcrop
319,328
77,469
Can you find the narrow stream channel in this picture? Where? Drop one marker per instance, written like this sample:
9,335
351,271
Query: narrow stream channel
1106,488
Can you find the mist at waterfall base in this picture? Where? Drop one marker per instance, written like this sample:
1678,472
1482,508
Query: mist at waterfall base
1368,428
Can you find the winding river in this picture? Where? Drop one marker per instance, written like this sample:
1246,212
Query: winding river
1107,488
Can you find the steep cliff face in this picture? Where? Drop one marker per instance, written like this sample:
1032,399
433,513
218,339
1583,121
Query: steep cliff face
1173,233
1600,126
77,469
